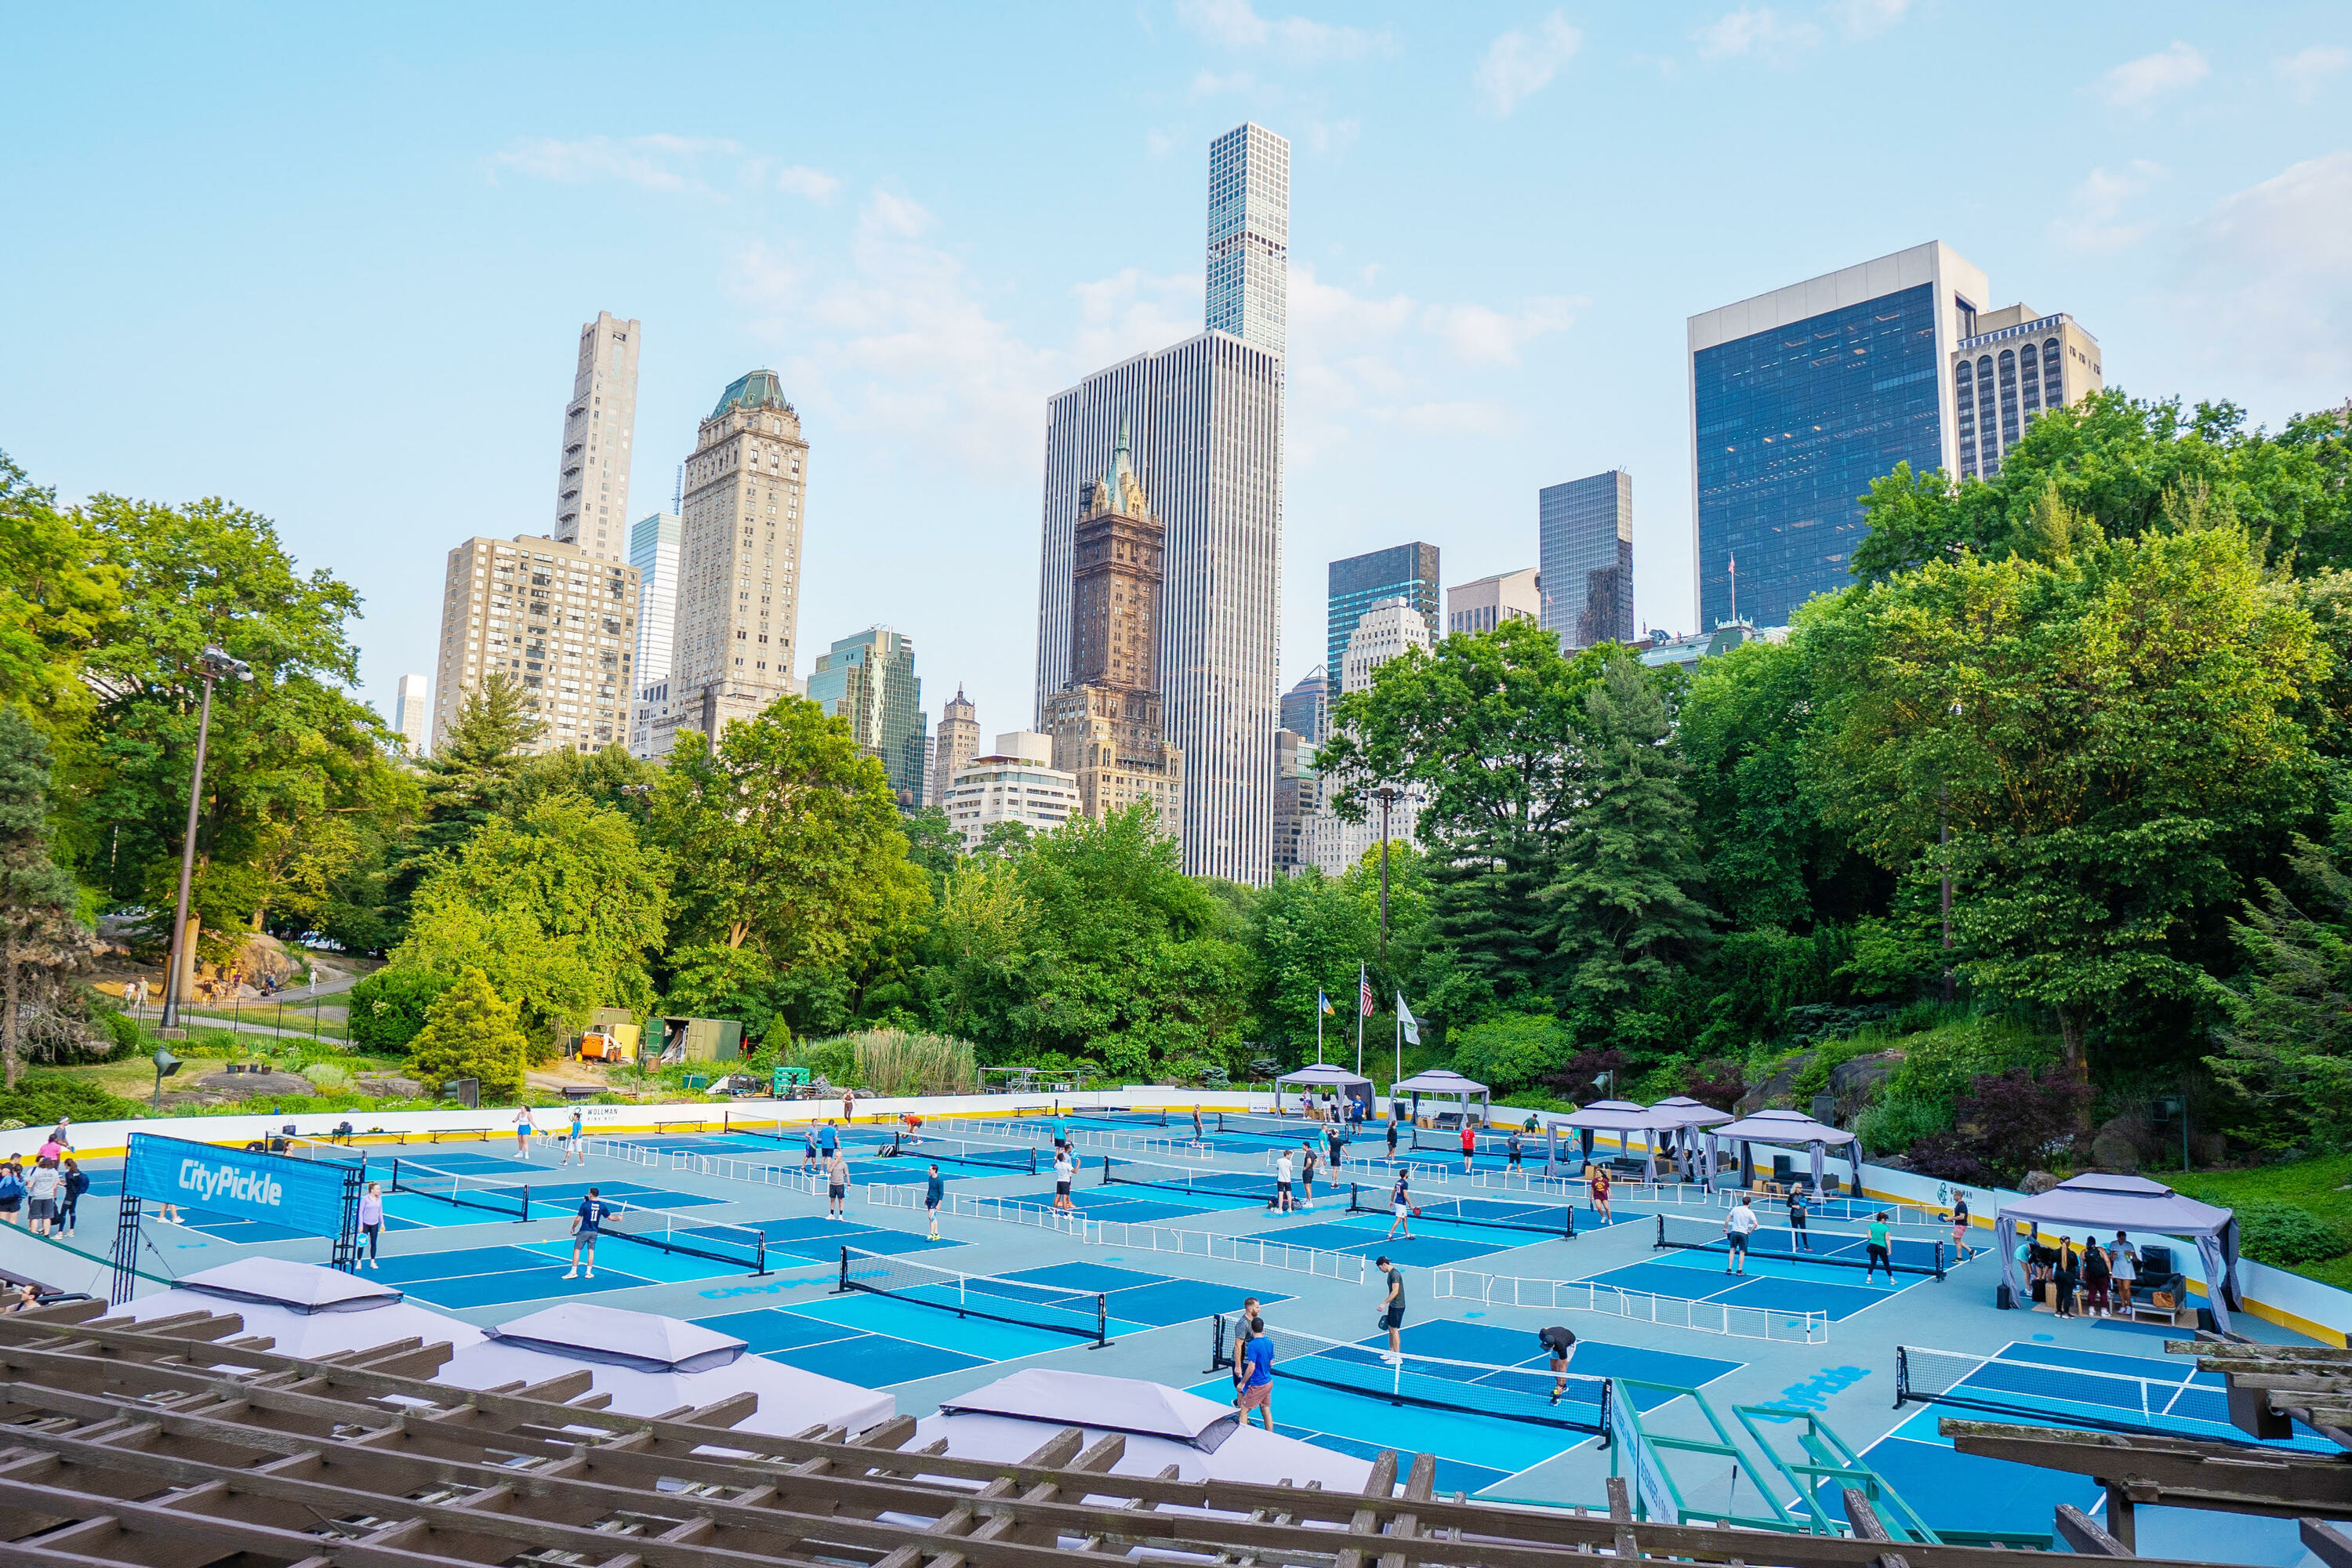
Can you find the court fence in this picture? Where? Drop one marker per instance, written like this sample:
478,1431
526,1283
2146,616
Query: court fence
1042,1132
1638,1306
1135,1236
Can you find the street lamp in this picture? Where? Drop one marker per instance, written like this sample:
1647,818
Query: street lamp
216,665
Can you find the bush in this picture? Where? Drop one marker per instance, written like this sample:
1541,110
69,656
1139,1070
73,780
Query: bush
1510,1052
388,1007
2287,1234
2007,1124
1893,1123
328,1077
892,1062
469,1032
39,1099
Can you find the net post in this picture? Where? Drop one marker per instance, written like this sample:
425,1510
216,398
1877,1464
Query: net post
844,1289
1216,1339
1571,1220
1033,1159
1940,1261
760,1253
1105,1181
1661,1234
1102,1320
525,1217
1901,1375
1608,1421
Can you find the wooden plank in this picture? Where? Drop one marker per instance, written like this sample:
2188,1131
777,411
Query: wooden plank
2082,1535
2327,1543
1380,1484
2182,1473
1863,1516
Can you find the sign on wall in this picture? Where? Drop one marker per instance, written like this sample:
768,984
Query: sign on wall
276,1189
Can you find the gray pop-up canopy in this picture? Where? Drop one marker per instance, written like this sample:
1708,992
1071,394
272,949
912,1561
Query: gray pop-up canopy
2104,1204
1307,1081
1439,1081
1620,1117
1791,1128
1682,1117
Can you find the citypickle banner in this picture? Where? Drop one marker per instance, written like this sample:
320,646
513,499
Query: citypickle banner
293,1195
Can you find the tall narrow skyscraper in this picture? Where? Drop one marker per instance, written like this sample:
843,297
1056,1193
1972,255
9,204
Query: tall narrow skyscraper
654,545
870,680
412,712
1249,237
592,486
1206,420
1407,572
957,742
738,561
1584,554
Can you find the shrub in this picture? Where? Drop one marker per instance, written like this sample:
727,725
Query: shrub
328,1077
2287,1234
388,1007
1576,1081
1948,1157
2007,1123
39,1099
1510,1052
1893,1123
469,1032
894,1062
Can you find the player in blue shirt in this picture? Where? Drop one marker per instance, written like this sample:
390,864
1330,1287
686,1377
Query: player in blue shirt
1258,1388
933,1192
808,1151
585,1225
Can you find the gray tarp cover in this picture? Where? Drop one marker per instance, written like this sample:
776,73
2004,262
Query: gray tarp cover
1787,1126
2104,1204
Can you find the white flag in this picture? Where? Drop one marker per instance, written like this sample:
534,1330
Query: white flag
1404,1016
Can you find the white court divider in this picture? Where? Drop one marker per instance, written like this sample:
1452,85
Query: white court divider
1381,1171
1041,1134
1255,1251
620,1148
1639,1305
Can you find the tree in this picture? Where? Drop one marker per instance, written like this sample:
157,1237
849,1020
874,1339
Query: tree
560,909
58,596
787,838
38,899
387,1008
1624,913
2286,1045
1512,1050
469,1032
610,778
1306,934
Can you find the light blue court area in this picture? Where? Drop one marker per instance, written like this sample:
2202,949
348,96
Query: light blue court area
498,1275
1432,1245
1137,1205
1771,1284
457,1197
1151,1300
243,1232
796,1239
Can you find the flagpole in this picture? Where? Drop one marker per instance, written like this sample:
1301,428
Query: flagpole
1360,1017
1319,1028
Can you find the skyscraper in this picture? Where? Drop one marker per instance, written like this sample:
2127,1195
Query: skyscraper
560,621
1799,398
739,561
1483,605
1584,551
654,545
1306,707
1249,237
2013,367
870,680
412,712
1109,725
1407,572
1206,422
957,744
1385,631
592,486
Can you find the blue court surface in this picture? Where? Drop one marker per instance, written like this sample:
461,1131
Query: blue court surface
498,1275
1771,1283
1344,1397
795,1239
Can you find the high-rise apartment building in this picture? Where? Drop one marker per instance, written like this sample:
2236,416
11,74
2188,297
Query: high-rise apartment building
412,712
1407,572
1012,783
559,620
1584,554
870,680
738,561
1306,707
1108,724
957,742
1385,631
1483,605
2011,369
1297,800
1206,417
1799,398
1249,237
592,486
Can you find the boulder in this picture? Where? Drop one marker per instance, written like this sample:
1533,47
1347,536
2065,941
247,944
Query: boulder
390,1086
250,1085
1776,1090
2037,1183
1856,1080
2112,1149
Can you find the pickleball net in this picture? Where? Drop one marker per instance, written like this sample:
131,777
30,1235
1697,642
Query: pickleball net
1082,1314
2047,1393
1830,1248
1496,1214
1248,1186
913,1145
498,1194
1523,1394
737,1247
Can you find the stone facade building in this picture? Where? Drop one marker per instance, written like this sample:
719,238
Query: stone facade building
557,619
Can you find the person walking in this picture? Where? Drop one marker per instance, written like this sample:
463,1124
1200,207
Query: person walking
575,1145
828,1142
808,1149
1739,1226
1800,1238
1961,1224
837,1187
1597,1183
1511,1147
371,1219
1199,1136
1558,1345
2123,1264
1469,1143
2096,1272
586,1225
934,1190
848,1106
1399,1208
1306,1173
1393,1310
524,1127
76,1182
1880,1251
41,1185
1256,1391
1392,1130
1064,1169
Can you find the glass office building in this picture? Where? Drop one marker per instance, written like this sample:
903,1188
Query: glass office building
1584,537
870,680
1407,572
1799,399
1307,706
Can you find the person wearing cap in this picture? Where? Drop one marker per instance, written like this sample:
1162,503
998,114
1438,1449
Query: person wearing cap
1559,1344
1393,1309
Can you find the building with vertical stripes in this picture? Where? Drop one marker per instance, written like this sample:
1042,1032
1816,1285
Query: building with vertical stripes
592,484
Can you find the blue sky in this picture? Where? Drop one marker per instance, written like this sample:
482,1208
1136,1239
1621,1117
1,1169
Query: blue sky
332,263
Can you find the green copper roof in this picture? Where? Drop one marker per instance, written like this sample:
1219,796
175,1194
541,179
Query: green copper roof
760,389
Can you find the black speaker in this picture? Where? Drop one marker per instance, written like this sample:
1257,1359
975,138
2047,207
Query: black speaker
2003,1299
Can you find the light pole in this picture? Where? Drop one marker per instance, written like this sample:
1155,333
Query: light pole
216,665
1388,794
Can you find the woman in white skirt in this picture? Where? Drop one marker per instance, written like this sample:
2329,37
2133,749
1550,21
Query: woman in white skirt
2124,1264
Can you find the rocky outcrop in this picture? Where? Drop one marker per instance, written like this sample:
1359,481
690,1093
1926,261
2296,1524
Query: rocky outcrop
252,1085
2037,1183
390,1086
1777,1090
2112,1149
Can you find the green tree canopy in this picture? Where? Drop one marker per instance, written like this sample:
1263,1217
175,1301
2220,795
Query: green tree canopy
58,596
469,1032
39,922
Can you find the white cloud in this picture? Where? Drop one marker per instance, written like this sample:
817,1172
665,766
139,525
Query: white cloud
802,181
1159,143
1478,334
2306,69
1237,25
1332,135
1865,19
893,215
1756,30
660,163
2271,278
2136,82
1131,311
1208,84
2100,200
1518,65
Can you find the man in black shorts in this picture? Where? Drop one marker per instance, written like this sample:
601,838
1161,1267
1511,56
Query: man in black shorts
1799,1239
1393,1310
1511,1147
1558,1345
934,1190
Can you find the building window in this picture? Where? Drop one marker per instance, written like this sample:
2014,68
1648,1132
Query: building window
2054,383
2008,399
1963,402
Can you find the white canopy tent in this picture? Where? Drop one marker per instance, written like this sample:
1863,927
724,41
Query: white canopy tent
1008,1419
1444,1084
649,1365
1789,1128
1623,1118
2104,1204
1308,1080
304,1309
1682,1117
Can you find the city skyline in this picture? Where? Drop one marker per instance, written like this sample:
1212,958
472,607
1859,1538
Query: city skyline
920,299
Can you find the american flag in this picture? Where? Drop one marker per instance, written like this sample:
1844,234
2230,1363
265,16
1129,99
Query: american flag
1363,994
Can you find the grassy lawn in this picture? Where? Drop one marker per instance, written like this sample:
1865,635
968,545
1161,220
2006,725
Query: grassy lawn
2318,1185
331,1022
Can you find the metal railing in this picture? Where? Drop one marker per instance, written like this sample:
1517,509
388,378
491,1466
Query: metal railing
1255,1251
1640,1306
1038,1132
